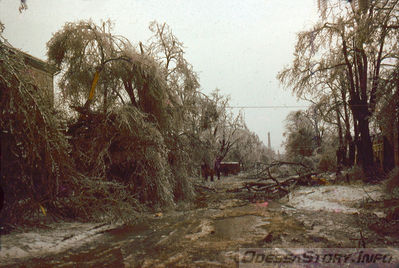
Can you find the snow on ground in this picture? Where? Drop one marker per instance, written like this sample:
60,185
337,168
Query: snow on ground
334,198
58,238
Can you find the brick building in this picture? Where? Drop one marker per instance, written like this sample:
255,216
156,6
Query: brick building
41,75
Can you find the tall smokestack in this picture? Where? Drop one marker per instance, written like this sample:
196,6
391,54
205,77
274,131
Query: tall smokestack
268,140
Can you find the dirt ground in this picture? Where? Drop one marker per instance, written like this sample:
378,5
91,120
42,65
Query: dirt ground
211,232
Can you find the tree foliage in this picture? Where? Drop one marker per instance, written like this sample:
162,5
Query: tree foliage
300,135
80,49
249,150
135,141
131,116
350,51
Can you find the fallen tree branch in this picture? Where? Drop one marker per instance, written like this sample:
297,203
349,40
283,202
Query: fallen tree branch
261,186
280,182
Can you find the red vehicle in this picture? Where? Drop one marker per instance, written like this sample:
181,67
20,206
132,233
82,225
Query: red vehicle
230,168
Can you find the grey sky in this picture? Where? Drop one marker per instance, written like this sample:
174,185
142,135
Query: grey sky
234,45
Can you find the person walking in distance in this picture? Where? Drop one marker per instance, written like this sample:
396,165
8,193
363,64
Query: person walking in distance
217,167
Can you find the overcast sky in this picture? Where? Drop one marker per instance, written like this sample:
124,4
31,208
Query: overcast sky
235,45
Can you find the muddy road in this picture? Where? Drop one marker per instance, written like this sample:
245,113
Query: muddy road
210,233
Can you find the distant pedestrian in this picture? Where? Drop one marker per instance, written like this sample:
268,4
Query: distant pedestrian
1,198
217,167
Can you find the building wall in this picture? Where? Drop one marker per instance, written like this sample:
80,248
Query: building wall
44,81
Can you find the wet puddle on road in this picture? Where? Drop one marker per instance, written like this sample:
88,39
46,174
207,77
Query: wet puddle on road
236,228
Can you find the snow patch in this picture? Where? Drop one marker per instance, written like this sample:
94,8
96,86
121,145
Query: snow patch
333,198
60,237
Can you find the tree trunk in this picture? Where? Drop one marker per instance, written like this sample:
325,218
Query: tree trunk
351,153
396,127
366,149
129,89
349,146
340,150
355,143
105,104
396,140
363,139
358,78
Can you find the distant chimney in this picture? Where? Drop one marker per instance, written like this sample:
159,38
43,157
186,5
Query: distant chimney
269,145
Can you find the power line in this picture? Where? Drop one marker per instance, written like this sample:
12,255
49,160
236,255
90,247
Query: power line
268,107
283,106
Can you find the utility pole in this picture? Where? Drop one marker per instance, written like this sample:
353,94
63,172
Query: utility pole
396,126
269,145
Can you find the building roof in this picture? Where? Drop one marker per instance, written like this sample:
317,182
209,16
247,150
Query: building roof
39,64
33,61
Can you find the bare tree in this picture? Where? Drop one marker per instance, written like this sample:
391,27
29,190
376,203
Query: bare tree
359,41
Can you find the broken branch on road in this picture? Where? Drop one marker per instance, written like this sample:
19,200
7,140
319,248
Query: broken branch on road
284,176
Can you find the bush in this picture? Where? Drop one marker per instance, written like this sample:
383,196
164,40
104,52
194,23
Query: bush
123,147
392,184
180,165
327,162
98,165
356,173
100,172
94,199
